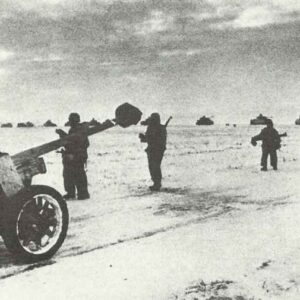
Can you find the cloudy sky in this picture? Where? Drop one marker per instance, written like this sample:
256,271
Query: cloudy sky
230,59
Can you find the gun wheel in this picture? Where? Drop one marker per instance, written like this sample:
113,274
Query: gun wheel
36,224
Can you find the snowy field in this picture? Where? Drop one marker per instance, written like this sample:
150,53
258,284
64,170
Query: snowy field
219,229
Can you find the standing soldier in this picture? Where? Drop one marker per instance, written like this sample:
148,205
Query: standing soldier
74,159
270,144
155,137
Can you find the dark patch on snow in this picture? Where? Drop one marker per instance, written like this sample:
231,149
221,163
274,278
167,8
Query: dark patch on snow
145,191
276,288
28,268
264,265
215,290
204,202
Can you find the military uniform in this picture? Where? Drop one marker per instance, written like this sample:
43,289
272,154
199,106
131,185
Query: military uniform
270,144
74,160
155,137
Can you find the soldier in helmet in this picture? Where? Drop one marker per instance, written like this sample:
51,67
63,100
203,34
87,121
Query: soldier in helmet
155,137
270,144
74,159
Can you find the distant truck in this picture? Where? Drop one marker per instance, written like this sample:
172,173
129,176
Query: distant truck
205,121
259,120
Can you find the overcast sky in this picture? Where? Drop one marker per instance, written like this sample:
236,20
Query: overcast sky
231,59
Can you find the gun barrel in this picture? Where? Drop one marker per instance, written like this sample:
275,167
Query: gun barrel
125,116
51,146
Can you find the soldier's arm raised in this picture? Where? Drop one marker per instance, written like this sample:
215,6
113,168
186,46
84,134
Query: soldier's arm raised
256,138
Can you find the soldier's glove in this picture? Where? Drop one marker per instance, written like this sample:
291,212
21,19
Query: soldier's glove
61,151
253,142
142,138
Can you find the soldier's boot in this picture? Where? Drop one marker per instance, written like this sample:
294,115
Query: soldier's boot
69,196
155,187
264,169
83,196
274,165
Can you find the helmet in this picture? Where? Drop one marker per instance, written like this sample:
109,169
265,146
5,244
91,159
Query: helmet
269,122
155,118
74,118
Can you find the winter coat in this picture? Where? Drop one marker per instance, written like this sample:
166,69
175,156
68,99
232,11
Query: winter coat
76,148
156,137
270,138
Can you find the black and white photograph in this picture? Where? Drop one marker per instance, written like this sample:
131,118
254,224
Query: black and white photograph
150,149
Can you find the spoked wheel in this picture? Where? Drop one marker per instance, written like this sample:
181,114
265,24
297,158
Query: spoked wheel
36,223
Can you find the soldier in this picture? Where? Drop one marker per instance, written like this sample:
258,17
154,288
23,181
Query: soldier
74,159
155,137
270,144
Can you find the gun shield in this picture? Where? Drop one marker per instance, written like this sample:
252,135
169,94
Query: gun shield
127,114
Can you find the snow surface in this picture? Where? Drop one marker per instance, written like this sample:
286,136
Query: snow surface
219,229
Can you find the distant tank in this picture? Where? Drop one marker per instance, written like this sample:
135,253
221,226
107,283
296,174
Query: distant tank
6,125
204,121
21,125
49,123
297,122
29,124
259,120
25,125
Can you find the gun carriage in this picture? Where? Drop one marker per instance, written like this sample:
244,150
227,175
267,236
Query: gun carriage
34,218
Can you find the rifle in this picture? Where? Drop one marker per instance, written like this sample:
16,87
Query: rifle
168,121
283,135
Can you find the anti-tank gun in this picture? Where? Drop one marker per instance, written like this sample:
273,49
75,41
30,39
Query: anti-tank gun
34,218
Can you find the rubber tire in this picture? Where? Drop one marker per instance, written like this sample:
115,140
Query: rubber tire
12,210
